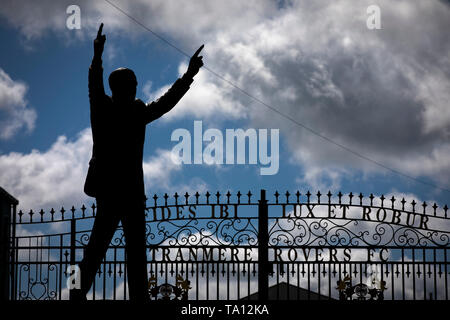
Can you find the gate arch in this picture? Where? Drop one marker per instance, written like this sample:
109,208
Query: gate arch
245,246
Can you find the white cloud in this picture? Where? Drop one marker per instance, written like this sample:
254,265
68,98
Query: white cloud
380,93
383,93
157,169
14,107
206,99
51,178
380,96
32,19
55,177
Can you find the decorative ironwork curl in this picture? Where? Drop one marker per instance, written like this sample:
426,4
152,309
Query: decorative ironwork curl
295,232
236,231
322,231
37,289
84,239
118,239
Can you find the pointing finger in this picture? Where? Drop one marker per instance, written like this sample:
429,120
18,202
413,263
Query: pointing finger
99,33
198,50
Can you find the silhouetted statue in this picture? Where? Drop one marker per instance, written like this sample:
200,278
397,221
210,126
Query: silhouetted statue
115,176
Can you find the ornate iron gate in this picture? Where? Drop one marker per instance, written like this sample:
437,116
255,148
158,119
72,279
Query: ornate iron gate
229,247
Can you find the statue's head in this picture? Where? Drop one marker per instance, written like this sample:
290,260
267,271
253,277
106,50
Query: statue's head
123,83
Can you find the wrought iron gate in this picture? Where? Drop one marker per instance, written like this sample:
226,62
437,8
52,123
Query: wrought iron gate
237,246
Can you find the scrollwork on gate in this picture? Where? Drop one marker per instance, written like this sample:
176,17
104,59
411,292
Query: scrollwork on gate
321,232
191,232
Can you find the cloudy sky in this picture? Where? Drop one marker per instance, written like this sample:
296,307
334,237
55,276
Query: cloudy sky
381,93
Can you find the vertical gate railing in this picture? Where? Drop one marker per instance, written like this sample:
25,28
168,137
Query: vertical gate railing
263,251
228,247
8,206
356,247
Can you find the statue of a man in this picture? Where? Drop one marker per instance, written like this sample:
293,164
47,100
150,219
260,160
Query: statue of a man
115,176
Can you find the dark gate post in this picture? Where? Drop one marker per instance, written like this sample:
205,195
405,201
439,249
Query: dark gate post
7,209
263,250
73,227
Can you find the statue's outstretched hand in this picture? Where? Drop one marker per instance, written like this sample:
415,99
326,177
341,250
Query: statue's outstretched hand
99,42
195,63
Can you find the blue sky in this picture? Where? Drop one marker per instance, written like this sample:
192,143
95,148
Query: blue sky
382,93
